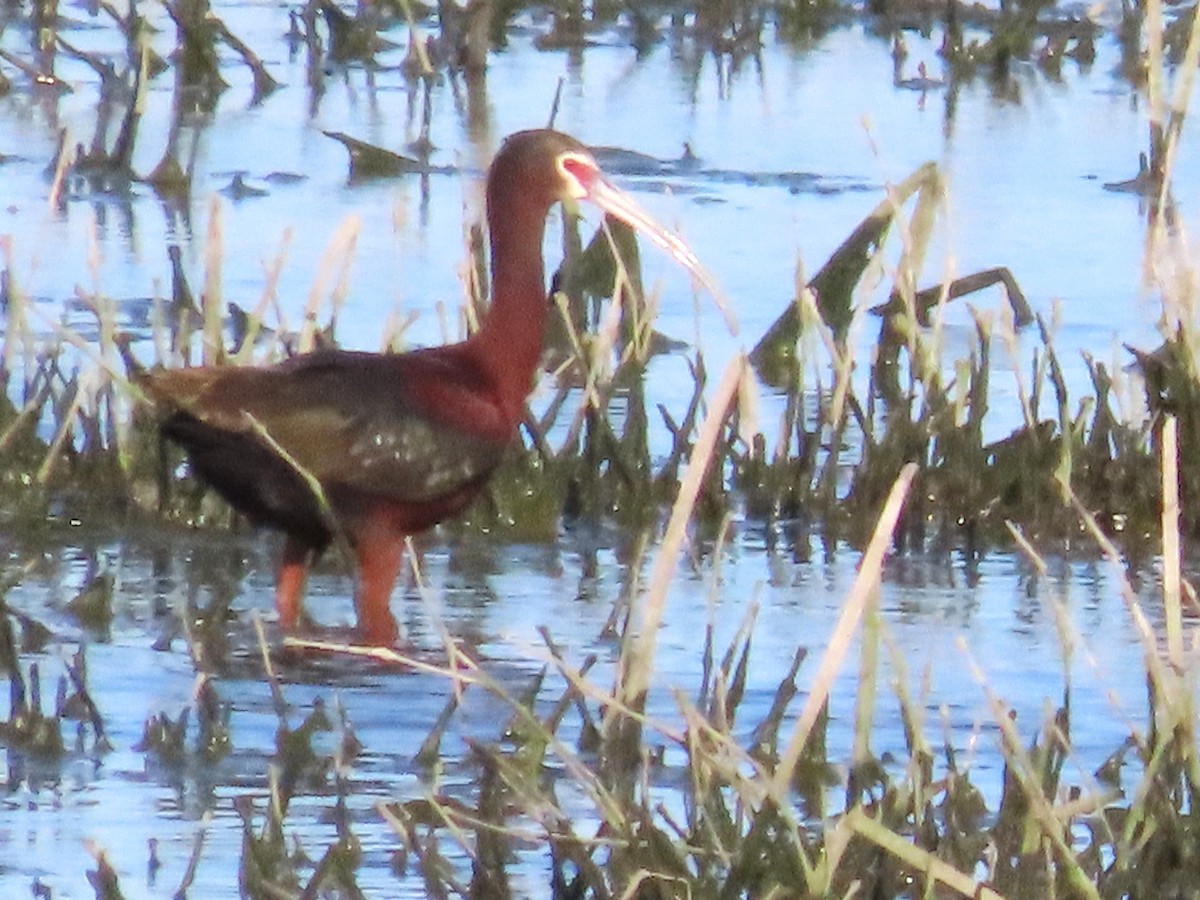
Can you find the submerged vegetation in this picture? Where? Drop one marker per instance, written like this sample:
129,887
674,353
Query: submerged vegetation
883,451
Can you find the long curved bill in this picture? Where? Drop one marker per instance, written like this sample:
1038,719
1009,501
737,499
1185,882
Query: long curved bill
620,205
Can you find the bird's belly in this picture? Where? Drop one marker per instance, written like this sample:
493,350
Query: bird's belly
406,516
253,479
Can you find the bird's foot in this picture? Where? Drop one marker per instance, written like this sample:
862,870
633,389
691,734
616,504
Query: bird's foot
302,625
375,633
379,632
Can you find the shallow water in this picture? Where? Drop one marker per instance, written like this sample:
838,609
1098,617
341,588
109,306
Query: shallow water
793,154
494,596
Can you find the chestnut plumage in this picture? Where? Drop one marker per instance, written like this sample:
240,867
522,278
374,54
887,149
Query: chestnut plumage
397,442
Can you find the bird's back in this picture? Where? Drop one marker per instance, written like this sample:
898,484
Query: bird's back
413,434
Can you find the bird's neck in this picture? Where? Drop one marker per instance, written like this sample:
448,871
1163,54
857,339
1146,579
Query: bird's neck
509,342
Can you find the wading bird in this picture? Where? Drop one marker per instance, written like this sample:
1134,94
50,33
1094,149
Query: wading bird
395,442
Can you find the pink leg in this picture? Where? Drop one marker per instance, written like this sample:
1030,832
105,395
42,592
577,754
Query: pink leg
380,549
290,581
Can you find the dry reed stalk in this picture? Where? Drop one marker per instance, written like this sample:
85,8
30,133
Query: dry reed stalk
264,651
597,379
1027,548
455,658
868,680
635,666
444,322
339,254
912,715
841,359
314,484
160,333
17,333
66,158
32,405
470,311
210,302
593,356
864,591
641,328
113,370
451,815
69,416
104,308
440,884
1024,770
1007,330
641,313
608,330
935,870
1172,688
748,405
416,41
189,873
395,327
1187,79
385,655
609,700
268,299
463,671
1172,127
915,233
1154,666
1172,607
1155,72
678,250
562,304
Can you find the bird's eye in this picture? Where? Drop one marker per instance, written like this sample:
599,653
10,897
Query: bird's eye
580,173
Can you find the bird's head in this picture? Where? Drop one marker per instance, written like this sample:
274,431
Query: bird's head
557,168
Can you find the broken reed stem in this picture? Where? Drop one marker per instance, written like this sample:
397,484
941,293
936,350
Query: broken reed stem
635,667
1170,541
865,589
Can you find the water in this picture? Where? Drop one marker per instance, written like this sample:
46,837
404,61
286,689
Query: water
495,597
1024,181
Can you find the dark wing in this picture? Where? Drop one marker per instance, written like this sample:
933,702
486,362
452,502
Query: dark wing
410,428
